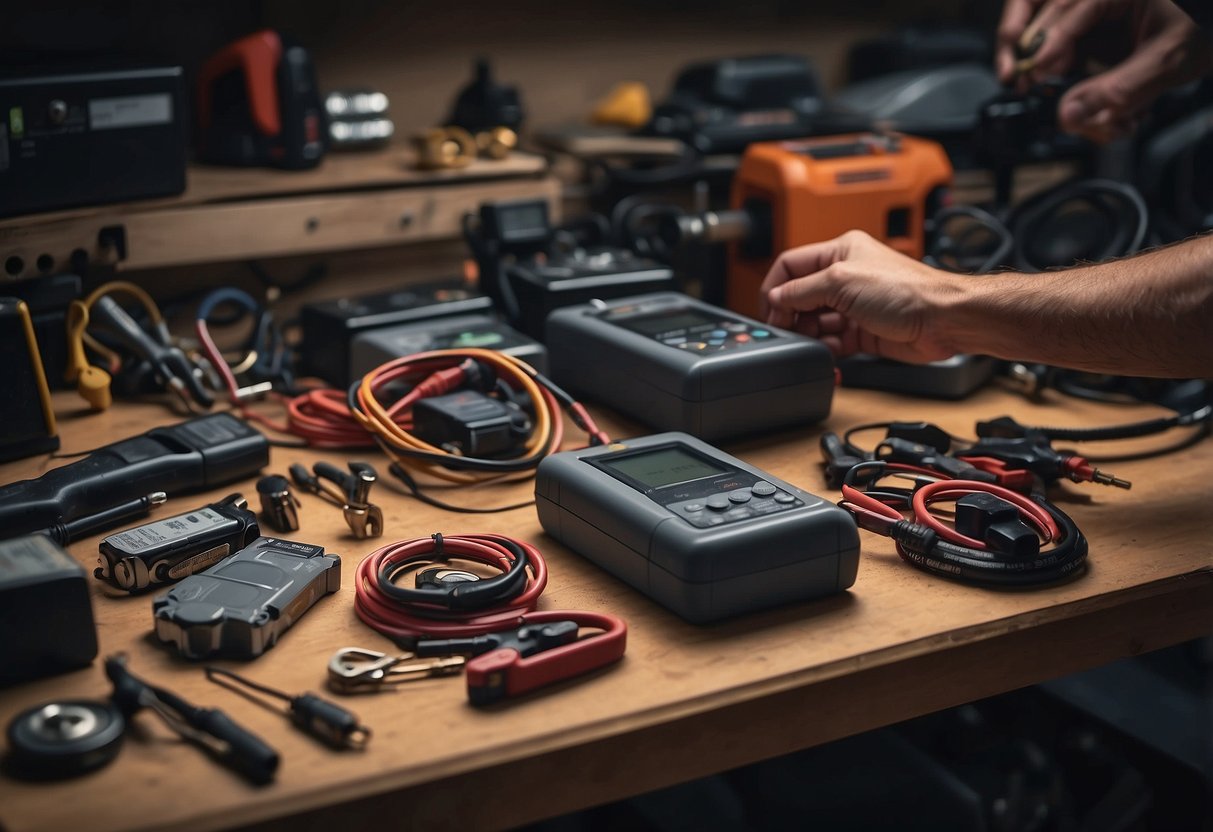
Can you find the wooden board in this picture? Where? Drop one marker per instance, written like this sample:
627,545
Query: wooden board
686,700
351,201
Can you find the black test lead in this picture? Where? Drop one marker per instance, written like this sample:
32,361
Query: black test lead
73,530
313,715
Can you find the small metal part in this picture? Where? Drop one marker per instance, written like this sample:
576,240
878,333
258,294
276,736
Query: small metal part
440,576
364,518
355,670
444,147
496,143
279,506
1107,479
64,739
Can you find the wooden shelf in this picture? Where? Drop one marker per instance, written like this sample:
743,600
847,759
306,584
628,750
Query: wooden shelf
351,201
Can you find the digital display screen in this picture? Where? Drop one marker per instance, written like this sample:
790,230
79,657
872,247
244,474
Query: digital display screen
523,219
657,324
665,466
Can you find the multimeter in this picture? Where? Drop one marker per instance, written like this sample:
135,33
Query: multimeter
677,363
378,346
699,531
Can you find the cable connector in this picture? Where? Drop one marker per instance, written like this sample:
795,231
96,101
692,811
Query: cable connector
922,433
837,459
1080,470
1004,427
914,537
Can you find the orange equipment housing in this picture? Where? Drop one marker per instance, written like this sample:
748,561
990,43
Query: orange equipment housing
808,190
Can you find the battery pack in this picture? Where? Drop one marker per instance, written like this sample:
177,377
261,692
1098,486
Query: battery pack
44,610
240,607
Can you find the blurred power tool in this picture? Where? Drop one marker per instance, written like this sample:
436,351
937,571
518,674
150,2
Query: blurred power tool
722,106
258,105
484,104
787,194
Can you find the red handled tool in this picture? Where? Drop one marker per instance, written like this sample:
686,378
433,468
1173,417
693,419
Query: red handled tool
507,671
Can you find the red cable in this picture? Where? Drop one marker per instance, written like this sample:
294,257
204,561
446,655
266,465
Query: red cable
952,489
401,621
324,420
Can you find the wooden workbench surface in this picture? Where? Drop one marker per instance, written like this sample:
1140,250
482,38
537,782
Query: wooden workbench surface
686,700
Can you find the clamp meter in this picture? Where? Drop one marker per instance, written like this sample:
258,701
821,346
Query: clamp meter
699,531
678,363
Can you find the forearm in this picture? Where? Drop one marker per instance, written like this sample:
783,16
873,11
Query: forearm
1150,315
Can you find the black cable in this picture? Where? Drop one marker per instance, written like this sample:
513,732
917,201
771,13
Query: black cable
415,491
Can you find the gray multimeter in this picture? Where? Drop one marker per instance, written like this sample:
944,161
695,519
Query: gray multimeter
677,363
378,346
699,531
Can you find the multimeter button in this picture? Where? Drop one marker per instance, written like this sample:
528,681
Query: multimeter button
715,521
784,497
761,333
763,488
718,502
674,342
741,338
696,345
716,342
718,333
740,495
693,507
736,326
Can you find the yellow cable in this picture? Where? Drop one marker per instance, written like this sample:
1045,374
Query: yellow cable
378,422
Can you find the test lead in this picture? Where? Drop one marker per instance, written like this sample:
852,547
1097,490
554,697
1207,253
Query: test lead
73,530
313,715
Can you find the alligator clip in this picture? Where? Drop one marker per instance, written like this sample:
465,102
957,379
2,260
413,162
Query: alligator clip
355,670
545,649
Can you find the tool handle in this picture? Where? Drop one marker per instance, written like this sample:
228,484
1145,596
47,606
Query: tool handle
330,472
327,721
246,752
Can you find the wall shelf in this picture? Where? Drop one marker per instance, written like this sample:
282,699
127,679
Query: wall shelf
351,201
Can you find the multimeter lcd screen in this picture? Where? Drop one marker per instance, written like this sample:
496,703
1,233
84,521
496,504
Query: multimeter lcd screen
665,466
668,322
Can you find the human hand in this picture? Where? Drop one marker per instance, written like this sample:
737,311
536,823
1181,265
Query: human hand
856,294
1149,45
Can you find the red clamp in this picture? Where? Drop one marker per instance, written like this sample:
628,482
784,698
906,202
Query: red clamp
1017,479
505,672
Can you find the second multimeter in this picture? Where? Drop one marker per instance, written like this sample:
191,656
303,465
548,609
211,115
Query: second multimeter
678,363
699,531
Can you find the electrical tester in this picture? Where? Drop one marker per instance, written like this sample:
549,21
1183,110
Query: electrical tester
699,531
677,363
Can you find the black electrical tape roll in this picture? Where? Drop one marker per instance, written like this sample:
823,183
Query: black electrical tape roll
58,740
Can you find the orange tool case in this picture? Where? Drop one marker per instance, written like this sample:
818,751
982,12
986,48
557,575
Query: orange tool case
808,190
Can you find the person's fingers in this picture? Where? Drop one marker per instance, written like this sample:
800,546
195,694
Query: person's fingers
1059,27
1104,106
803,294
793,264
1016,14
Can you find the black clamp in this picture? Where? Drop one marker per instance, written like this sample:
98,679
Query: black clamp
351,491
